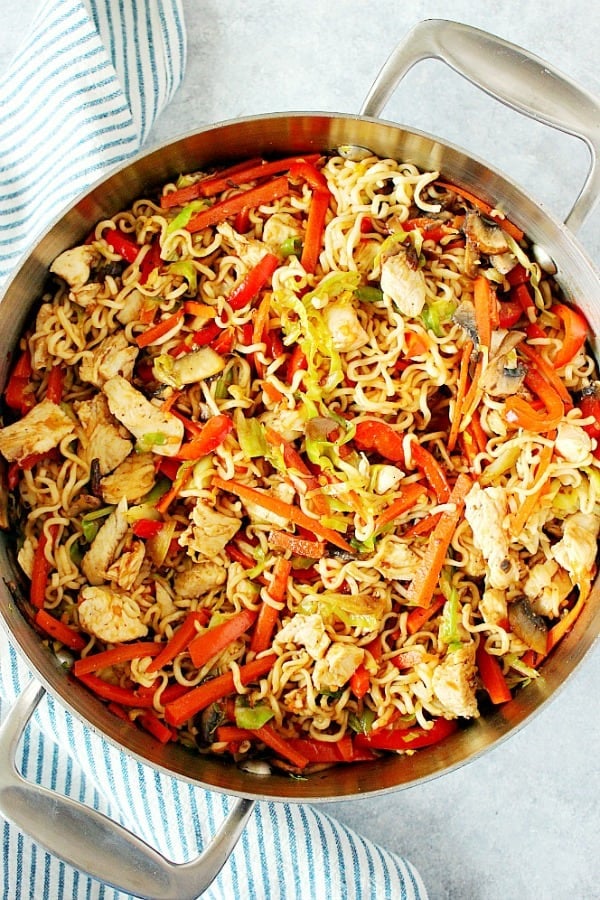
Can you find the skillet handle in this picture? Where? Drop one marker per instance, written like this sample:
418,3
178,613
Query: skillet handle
511,75
93,843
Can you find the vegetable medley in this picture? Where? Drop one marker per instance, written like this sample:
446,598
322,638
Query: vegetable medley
303,460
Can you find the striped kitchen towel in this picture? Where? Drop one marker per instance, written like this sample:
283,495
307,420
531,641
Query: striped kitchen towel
80,97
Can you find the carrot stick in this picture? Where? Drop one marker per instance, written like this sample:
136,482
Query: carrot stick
180,641
269,614
427,573
421,614
409,496
269,736
485,208
492,676
117,694
549,373
461,393
212,641
59,631
531,501
157,331
482,298
183,708
152,724
283,540
315,226
218,212
283,509
115,656
558,631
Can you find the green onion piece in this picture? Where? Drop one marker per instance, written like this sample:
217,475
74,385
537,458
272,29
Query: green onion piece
161,487
362,723
90,524
252,716
369,294
292,246
187,270
149,440
183,216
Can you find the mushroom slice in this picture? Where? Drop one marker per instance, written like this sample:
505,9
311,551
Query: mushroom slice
483,234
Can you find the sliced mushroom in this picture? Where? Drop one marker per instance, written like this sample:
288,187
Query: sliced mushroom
486,236
504,374
464,315
527,625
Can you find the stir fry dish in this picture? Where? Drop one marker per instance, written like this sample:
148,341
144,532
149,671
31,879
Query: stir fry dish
302,457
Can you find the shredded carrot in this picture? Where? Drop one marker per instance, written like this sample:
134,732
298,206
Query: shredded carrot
425,580
281,508
485,208
483,298
549,373
268,615
541,485
273,393
409,495
257,196
315,225
276,742
461,393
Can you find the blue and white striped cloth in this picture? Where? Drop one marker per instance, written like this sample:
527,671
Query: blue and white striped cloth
82,96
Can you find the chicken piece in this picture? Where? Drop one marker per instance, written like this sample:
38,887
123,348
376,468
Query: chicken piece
577,549
125,570
493,606
395,559
103,438
110,616
278,228
74,265
199,579
454,683
98,559
132,479
259,514
249,250
342,321
403,281
132,305
209,530
385,478
43,428
486,511
113,356
546,587
25,557
296,701
305,631
40,355
573,444
141,417
337,666
289,423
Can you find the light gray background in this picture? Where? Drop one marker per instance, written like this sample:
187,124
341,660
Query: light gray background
522,822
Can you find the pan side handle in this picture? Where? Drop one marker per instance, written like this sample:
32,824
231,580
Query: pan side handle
93,843
511,75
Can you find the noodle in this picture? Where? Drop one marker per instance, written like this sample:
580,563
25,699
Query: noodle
232,434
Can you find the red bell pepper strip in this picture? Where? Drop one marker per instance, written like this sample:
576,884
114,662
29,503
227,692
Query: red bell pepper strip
548,372
590,408
180,641
522,295
41,568
19,394
492,676
518,275
380,437
60,631
407,738
115,656
281,746
147,528
509,313
343,750
206,334
263,194
297,363
122,244
253,282
151,261
360,681
268,615
159,330
55,384
213,641
576,332
306,171
425,579
315,226
179,711
211,436
115,693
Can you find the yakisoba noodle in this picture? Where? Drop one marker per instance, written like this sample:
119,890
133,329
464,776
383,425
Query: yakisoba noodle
303,461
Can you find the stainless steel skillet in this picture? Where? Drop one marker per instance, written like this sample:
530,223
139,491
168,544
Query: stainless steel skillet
88,840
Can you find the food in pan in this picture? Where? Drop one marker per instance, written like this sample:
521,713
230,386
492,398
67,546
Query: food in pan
303,460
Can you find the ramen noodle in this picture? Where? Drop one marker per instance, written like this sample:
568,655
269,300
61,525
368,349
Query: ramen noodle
302,456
